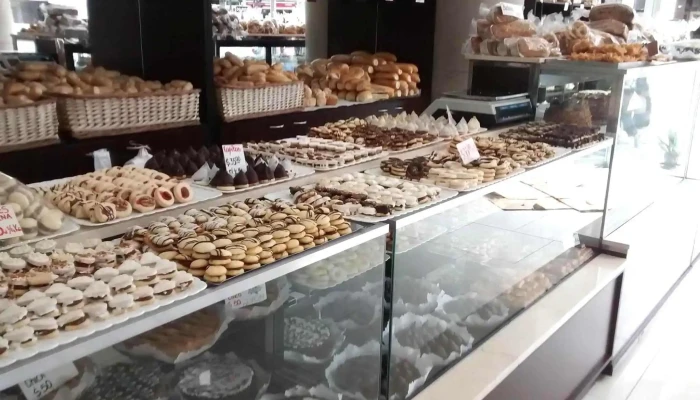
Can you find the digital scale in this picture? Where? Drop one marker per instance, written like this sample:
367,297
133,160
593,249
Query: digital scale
489,110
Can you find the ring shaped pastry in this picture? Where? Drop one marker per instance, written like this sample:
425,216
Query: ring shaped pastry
144,203
164,197
183,193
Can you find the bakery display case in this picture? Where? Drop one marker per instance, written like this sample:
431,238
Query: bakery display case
309,327
462,269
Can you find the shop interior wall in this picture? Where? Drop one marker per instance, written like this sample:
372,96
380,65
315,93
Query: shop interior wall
453,26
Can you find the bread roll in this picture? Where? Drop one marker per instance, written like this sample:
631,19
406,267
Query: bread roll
382,89
405,77
364,97
408,68
388,57
365,60
350,96
254,68
341,58
517,28
233,59
616,11
360,53
386,75
611,26
390,68
388,83
331,100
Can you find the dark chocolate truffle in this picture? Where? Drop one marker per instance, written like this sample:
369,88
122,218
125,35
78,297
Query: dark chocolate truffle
191,168
252,176
160,156
201,160
248,159
152,163
223,180
240,180
191,153
280,172
261,170
179,170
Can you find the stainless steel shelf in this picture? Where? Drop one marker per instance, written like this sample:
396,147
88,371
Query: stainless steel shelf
23,369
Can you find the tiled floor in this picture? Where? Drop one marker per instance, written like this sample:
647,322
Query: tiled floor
663,364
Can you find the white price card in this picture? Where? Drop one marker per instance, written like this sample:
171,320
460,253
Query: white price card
234,158
250,296
42,384
467,151
9,225
512,10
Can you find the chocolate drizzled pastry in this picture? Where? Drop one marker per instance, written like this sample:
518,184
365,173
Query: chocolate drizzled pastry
222,179
240,180
251,175
569,136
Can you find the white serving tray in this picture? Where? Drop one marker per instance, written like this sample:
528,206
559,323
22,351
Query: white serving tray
444,195
378,172
65,337
298,171
68,227
200,194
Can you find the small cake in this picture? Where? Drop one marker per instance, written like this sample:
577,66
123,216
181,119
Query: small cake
223,181
240,181
252,176
228,379
311,338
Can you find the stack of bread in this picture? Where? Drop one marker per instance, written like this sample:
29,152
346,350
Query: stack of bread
504,32
359,76
31,80
232,71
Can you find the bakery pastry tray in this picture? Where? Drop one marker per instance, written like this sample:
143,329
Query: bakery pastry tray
320,169
68,227
307,287
445,194
298,171
559,152
200,194
65,337
378,172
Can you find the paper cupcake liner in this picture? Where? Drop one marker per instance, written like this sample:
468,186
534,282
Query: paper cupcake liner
475,320
400,307
373,348
357,296
408,321
446,299
317,392
338,339
257,311
147,350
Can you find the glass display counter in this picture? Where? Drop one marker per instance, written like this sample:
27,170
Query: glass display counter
464,268
306,328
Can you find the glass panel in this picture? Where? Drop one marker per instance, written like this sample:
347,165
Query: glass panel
290,57
653,139
316,328
257,53
461,275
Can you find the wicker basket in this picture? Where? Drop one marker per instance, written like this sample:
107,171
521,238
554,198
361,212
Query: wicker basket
242,103
27,126
107,115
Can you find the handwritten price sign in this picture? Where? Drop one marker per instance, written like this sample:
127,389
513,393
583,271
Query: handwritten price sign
467,151
43,384
9,226
234,158
250,296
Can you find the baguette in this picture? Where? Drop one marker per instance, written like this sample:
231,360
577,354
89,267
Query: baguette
403,86
388,83
381,89
352,84
368,68
406,77
365,60
342,94
361,53
380,96
319,66
415,77
386,76
341,58
412,85
388,57
277,77
364,97
363,85
351,96
390,68
255,68
233,59
408,68
338,67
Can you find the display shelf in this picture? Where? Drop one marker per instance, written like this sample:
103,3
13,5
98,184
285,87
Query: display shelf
117,229
82,347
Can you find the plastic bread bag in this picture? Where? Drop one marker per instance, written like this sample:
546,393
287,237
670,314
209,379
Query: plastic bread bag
489,47
502,13
611,26
518,28
528,47
482,28
472,46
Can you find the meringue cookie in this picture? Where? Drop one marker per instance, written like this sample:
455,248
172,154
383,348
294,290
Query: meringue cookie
474,125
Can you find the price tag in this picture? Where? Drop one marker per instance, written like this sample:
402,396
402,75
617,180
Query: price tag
234,158
42,384
467,151
512,10
9,226
250,296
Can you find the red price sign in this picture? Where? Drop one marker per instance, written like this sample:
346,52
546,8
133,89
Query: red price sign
9,226
234,158
467,151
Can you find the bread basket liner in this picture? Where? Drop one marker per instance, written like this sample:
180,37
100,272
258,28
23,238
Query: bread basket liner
238,103
154,352
36,124
338,338
261,378
372,348
400,307
359,296
317,392
103,114
406,321
256,312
